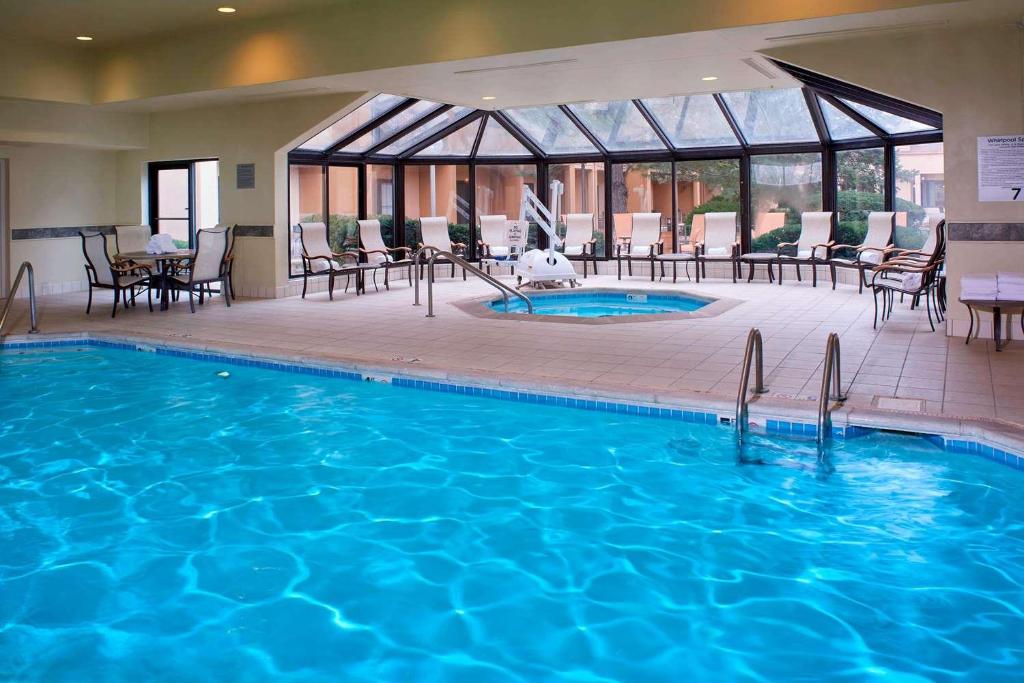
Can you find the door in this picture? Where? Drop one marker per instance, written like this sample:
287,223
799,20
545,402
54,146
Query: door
183,197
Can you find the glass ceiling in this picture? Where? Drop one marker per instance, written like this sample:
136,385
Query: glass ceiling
692,121
688,122
890,123
618,125
841,126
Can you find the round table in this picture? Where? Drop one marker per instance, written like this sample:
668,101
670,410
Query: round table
161,261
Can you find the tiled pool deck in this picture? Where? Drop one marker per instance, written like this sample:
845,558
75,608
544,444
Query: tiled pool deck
903,369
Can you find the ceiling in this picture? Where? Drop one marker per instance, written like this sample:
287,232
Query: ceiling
117,21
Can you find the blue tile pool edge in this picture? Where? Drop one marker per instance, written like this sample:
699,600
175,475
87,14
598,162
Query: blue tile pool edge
958,444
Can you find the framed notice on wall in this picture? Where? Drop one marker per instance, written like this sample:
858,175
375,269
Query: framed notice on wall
1001,168
245,176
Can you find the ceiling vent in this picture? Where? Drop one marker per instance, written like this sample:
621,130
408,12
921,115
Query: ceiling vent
514,67
858,31
760,68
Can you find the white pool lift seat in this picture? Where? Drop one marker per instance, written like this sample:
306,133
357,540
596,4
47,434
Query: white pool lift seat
538,267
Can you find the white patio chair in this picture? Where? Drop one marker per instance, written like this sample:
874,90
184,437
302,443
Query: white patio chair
813,247
870,252
644,243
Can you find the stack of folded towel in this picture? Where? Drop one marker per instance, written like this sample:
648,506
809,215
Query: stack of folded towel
161,243
1010,286
979,287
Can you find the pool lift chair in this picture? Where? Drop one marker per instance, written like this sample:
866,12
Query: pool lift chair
541,268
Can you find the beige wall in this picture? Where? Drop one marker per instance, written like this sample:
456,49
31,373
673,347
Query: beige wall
56,186
53,73
360,35
974,77
257,132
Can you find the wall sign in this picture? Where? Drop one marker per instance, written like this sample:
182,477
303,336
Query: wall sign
1001,168
245,176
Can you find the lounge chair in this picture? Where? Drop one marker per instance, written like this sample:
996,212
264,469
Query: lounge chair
126,279
434,233
644,244
719,243
206,267
931,241
813,247
493,242
579,243
874,249
375,251
911,276
318,259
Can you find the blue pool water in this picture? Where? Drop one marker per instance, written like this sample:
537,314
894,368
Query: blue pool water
160,523
603,303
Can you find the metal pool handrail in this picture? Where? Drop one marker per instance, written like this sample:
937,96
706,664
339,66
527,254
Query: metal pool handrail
831,387
754,352
466,265
25,267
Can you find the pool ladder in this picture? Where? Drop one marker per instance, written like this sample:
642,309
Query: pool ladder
831,383
754,353
25,267
831,387
417,261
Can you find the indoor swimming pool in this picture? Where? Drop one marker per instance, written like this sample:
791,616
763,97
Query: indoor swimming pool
602,303
164,518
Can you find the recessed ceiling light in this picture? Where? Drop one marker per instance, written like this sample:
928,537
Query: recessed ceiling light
83,37
488,97
709,78
226,10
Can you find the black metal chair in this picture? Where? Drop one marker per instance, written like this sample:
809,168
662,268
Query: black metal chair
205,268
869,253
915,277
126,279
319,259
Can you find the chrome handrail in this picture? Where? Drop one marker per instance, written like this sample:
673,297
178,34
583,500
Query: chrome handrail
754,352
25,267
831,387
465,265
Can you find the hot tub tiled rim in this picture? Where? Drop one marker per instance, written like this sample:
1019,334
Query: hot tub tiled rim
991,438
479,306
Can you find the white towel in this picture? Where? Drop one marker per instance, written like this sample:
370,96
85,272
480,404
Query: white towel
1010,293
911,281
979,286
1008,278
161,243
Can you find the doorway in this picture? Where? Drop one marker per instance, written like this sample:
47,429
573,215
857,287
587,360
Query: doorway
183,197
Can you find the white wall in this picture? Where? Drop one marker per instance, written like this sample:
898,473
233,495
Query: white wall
57,186
260,133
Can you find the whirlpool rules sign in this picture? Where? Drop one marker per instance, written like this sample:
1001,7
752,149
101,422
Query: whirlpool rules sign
1001,168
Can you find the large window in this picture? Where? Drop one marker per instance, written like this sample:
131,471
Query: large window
783,186
768,155
642,188
305,205
499,190
380,198
704,187
437,190
860,189
920,192
584,193
343,207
